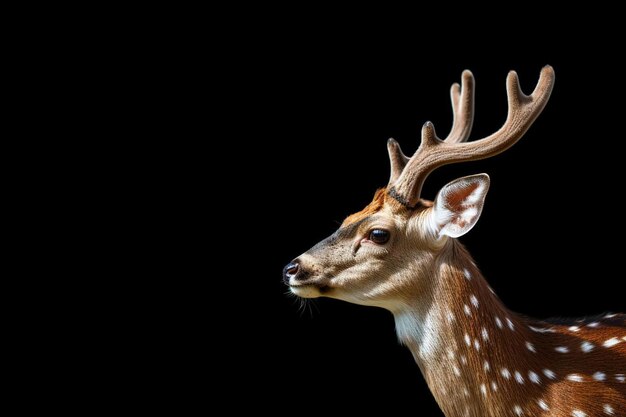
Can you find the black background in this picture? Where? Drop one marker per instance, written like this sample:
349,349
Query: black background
548,241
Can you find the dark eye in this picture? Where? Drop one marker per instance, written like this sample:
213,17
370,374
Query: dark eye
379,236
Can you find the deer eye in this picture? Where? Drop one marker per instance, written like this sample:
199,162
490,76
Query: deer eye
379,236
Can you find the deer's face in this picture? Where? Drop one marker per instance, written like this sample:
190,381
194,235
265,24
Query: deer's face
384,252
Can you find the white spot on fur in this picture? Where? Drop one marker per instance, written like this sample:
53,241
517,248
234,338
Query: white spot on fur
450,354
574,328
483,389
620,377
450,316
467,274
474,300
542,404
593,324
498,322
465,392
608,410
467,310
578,413
575,378
518,410
624,338
494,386
586,347
485,334
542,330
456,370
534,377
609,315
599,376
510,323
476,344
468,341
549,374
611,342
530,347
505,373
519,378
486,366
562,349
463,360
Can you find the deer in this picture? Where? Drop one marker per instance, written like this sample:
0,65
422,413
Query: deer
402,253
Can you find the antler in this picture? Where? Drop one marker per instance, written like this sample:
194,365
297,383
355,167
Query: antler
434,152
462,99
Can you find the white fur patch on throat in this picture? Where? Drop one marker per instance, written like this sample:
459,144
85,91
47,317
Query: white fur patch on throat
421,333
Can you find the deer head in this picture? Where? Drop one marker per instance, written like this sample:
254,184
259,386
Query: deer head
385,254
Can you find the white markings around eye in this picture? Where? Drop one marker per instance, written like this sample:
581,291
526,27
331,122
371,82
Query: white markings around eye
534,377
611,342
549,374
530,347
586,347
599,376
575,378
562,349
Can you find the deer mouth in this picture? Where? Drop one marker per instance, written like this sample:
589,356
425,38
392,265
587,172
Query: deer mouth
310,290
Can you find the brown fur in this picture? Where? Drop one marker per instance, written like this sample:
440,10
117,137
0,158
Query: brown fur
374,207
503,347
381,198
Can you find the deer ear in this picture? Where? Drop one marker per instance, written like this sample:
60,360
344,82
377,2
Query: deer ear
459,204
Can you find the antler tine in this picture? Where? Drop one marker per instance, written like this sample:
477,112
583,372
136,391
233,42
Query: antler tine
433,152
397,159
462,98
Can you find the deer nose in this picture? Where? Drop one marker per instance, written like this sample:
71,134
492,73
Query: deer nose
291,271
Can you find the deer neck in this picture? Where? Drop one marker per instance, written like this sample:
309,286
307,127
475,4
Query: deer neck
465,341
